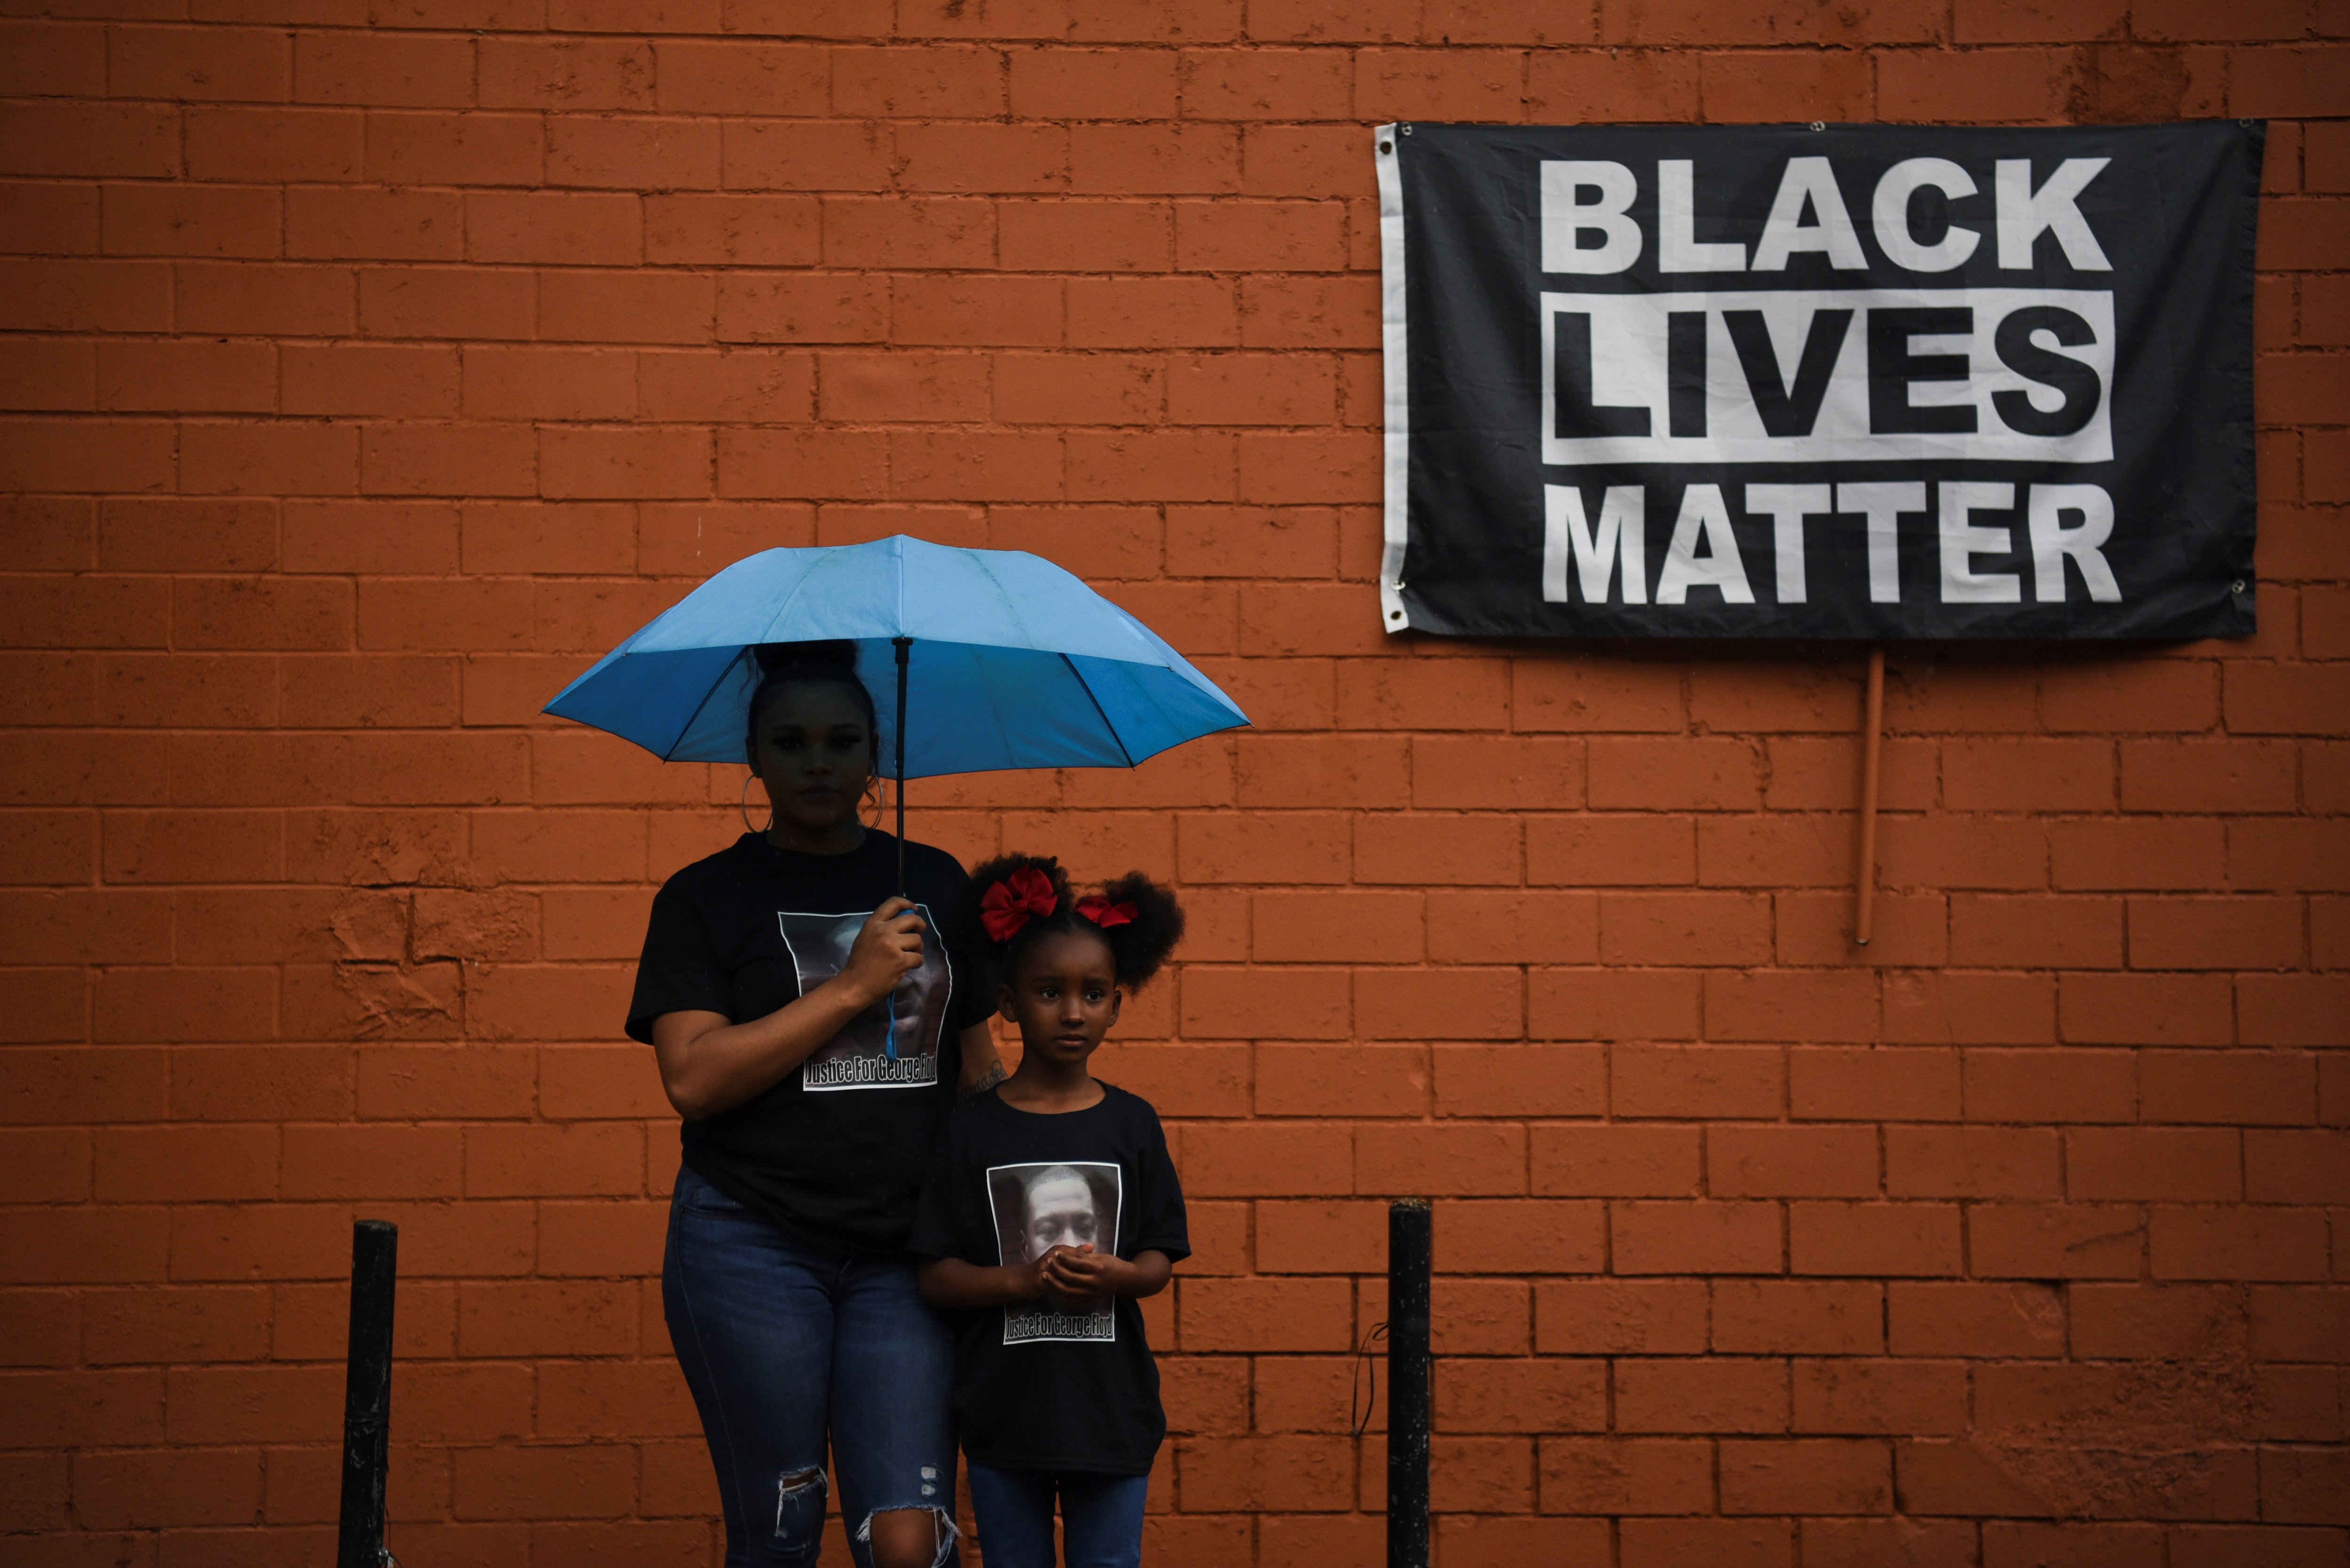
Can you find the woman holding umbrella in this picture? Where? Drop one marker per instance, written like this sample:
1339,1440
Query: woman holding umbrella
811,1028
810,1024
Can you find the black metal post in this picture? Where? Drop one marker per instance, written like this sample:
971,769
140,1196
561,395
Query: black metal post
1410,1383
905,647
367,1397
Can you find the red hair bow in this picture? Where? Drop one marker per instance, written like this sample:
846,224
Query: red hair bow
1102,912
1010,904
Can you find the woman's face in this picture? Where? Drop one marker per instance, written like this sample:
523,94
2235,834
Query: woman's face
814,752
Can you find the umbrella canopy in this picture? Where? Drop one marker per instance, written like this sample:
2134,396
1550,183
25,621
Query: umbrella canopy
1012,663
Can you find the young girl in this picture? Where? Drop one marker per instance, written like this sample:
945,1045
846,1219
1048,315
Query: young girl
1051,1210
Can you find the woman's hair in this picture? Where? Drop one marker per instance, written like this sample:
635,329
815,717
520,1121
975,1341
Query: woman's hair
783,664
1142,921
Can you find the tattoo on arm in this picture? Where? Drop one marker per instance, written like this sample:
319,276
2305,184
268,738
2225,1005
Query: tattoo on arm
987,1080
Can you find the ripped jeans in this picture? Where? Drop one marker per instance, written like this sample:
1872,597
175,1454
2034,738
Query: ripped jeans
783,1343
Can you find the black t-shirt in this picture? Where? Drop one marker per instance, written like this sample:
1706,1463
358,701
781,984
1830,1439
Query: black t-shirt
1036,1388
834,1153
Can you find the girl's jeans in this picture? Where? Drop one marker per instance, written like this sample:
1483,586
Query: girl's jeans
783,1343
1101,1518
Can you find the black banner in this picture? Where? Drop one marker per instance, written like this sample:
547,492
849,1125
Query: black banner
1848,381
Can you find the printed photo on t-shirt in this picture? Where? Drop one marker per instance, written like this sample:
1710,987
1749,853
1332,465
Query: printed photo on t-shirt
892,1045
1050,1204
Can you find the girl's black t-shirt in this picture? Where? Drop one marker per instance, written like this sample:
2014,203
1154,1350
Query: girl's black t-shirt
1037,1388
835,1153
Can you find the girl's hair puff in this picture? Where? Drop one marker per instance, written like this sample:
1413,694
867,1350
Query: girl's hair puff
1138,946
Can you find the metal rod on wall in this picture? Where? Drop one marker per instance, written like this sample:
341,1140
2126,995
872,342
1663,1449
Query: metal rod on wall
366,1395
1410,1382
1871,750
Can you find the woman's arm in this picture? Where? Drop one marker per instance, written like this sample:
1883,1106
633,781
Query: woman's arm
982,1067
709,1065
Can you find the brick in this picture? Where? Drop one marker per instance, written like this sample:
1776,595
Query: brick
1265,1314
586,1481
1304,312
1586,1004
1465,1003
1971,1162
1789,1005
1870,1084
1911,1238
136,141
1779,86
1791,1162
2295,1167
190,221
2145,1010
1808,1476
464,149
1660,1238
1155,160
1931,1319
1528,1397
2160,1163
1805,1317
1023,312
1684,928
1864,1396
2272,1088
1599,1317
1712,1394
619,462
1427,848
565,73
383,70
447,302
1091,84
448,460
651,307
2236,1243
1258,236
1626,1475
631,153
1341,1081
1613,1160
1616,86
1035,389
2051,1242
948,80
574,228
1269,1159
1449,1160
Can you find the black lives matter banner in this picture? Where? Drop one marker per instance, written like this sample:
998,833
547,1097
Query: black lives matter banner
1856,381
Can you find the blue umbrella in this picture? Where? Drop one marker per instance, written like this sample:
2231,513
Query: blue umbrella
1012,662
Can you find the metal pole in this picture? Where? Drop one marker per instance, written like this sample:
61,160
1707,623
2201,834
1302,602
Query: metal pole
1871,745
1410,1382
367,1396
905,647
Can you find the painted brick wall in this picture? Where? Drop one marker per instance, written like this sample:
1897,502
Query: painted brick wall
381,360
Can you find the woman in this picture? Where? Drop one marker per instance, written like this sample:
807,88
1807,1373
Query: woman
811,1028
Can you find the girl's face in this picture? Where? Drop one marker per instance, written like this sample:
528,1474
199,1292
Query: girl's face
1064,997
814,752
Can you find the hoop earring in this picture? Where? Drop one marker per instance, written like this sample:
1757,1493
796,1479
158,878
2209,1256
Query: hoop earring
873,799
743,806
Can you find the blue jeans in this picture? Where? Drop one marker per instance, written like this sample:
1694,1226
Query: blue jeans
1101,1518
783,1343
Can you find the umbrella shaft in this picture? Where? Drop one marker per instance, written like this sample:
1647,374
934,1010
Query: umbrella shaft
905,647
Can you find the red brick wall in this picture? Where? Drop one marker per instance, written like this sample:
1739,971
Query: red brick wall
382,362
